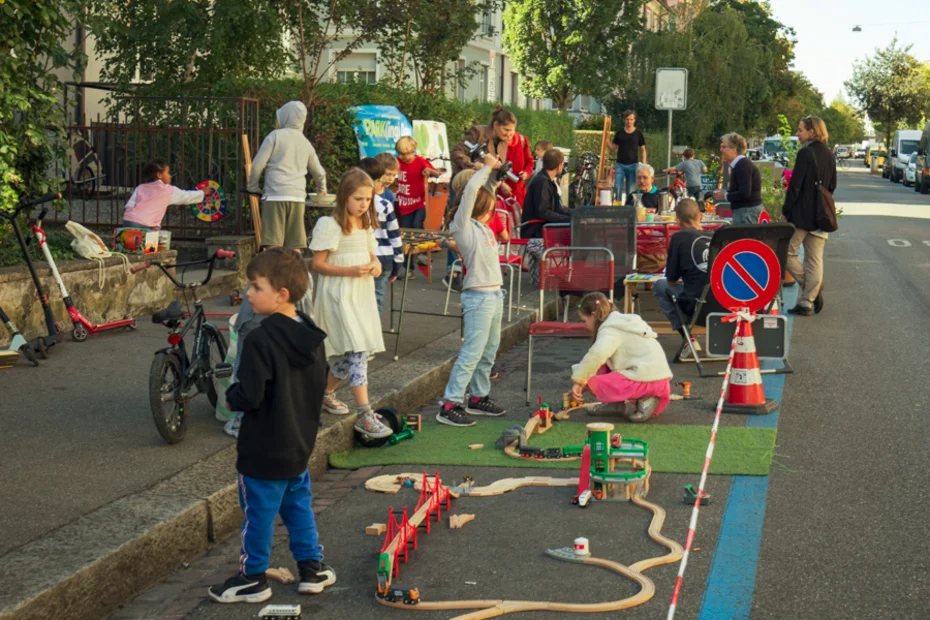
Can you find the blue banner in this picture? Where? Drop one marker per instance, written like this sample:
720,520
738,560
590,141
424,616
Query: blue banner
378,127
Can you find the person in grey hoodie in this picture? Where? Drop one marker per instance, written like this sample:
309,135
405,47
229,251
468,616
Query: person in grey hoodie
285,157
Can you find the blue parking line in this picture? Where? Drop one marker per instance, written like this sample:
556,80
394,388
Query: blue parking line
732,579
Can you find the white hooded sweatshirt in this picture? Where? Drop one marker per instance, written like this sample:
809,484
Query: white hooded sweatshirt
288,156
627,344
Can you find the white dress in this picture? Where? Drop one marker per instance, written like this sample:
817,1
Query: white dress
345,308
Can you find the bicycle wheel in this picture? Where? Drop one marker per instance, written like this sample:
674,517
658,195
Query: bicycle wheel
214,353
165,385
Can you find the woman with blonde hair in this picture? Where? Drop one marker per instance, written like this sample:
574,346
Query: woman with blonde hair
814,166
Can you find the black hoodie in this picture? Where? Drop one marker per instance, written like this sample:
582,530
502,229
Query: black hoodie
282,375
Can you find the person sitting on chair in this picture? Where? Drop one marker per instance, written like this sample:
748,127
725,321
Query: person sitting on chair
686,270
646,190
543,201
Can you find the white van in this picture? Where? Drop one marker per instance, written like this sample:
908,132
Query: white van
904,143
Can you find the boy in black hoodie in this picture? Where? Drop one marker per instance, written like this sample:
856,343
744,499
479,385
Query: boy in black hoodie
282,375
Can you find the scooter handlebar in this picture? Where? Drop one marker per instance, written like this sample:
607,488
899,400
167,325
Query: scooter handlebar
46,198
225,254
140,267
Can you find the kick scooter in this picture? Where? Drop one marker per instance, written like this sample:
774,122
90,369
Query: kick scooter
17,346
43,343
82,326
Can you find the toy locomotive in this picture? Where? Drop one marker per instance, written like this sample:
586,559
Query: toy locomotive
408,596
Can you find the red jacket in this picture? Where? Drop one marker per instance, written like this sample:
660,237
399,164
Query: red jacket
520,155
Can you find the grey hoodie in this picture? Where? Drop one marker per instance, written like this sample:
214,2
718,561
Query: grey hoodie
288,156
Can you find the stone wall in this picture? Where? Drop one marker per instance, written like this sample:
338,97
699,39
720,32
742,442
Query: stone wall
114,295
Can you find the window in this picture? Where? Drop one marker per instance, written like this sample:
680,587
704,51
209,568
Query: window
585,103
483,83
487,24
352,75
514,88
460,70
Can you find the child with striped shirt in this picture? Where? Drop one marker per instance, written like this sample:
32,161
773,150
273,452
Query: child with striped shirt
390,250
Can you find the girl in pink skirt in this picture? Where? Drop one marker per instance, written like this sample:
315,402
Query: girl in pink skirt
625,363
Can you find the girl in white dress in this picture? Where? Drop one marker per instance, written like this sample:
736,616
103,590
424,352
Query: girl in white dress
345,308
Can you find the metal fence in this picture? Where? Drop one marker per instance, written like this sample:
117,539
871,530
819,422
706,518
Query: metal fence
200,137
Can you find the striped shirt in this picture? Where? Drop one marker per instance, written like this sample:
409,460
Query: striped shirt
388,233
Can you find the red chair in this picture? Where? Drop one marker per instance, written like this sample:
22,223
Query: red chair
567,269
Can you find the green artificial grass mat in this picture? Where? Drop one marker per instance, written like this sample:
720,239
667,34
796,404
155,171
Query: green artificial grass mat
673,449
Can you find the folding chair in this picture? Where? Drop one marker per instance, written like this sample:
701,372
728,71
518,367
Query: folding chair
566,268
613,228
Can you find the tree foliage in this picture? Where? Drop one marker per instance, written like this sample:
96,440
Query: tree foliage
31,114
892,87
419,38
571,47
844,123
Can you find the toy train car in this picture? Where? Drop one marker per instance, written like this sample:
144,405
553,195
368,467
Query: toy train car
569,451
530,452
553,453
409,596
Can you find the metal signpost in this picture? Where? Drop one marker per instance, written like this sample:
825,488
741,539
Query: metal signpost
671,94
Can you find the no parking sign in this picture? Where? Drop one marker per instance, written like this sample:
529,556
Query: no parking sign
745,274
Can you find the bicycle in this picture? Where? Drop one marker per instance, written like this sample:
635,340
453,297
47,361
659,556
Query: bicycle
176,377
583,190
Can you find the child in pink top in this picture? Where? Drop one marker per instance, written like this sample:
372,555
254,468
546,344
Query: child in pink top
149,201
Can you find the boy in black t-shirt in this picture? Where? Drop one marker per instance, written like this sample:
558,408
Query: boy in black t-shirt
686,269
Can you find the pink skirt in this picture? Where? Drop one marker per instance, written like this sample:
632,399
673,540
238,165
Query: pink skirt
612,387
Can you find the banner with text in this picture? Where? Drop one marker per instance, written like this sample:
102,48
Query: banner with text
378,127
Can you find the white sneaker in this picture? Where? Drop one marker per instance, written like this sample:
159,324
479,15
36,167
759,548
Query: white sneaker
231,428
333,405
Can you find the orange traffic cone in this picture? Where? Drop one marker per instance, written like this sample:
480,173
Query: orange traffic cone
745,393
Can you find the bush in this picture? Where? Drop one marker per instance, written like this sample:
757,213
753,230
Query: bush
330,123
59,242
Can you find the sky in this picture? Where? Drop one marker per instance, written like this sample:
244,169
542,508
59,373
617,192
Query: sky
827,47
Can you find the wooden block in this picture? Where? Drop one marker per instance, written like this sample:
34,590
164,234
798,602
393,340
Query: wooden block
376,529
413,421
457,521
281,575
475,446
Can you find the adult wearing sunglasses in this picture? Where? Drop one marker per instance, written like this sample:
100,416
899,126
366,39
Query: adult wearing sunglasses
745,192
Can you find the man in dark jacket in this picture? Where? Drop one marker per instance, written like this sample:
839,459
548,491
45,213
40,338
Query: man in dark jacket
815,163
282,376
745,193
542,196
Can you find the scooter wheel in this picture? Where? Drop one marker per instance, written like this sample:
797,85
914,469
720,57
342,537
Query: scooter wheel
132,325
79,333
41,349
29,354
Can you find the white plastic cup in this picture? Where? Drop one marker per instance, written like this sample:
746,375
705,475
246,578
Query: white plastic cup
581,546
606,197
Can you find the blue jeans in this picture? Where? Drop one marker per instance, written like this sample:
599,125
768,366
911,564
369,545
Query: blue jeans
666,305
625,172
413,220
482,312
387,264
262,501
747,215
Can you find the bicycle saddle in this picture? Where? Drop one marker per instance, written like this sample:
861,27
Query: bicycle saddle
172,313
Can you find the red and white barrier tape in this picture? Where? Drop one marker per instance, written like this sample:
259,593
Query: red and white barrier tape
741,316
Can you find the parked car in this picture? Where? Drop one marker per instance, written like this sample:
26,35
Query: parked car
842,153
860,153
904,143
878,154
910,173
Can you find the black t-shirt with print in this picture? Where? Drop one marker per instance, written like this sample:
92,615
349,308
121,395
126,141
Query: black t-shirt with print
688,253
628,145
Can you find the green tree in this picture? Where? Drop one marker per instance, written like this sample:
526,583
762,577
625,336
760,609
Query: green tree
796,98
844,122
892,87
32,118
571,47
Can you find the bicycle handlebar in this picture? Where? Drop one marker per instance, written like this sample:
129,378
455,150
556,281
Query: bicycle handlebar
29,203
219,254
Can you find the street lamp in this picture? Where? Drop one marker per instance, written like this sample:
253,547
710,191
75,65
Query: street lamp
857,29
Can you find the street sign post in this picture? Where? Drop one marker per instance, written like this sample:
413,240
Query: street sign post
745,274
671,94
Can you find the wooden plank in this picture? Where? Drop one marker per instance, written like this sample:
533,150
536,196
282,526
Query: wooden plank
253,199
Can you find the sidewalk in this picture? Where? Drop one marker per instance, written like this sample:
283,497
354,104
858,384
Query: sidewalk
79,428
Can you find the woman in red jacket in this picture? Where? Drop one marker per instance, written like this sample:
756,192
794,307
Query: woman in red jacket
521,156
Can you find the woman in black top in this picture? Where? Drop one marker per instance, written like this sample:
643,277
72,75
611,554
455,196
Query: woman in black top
814,163
745,192
630,145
